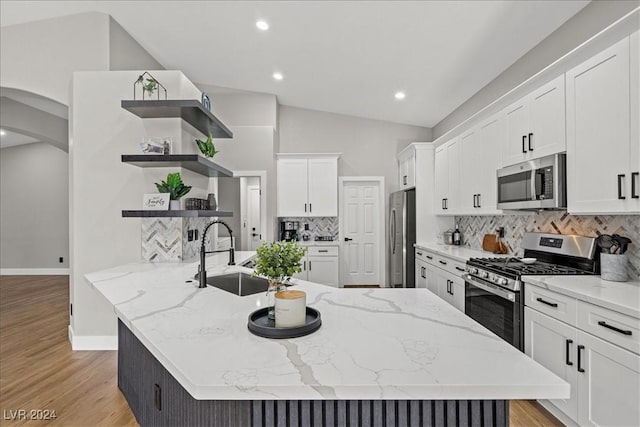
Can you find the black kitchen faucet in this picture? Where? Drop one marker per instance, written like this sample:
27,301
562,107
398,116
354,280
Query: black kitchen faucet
202,271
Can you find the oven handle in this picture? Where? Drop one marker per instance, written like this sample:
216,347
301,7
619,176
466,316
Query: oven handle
496,290
533,185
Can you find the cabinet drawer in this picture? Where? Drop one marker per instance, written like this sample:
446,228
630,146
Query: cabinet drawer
426,256
452,266
556,305
610,325
322,251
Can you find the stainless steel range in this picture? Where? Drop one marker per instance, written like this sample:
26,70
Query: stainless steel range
493,286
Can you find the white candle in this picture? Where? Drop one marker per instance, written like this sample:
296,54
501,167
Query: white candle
291,309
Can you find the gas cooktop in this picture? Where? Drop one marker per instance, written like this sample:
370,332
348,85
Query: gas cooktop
515,267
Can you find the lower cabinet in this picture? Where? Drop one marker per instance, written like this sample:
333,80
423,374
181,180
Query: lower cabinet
604,378
451,289
320,265
439,280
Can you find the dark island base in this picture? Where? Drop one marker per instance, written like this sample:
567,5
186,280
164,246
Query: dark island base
157,399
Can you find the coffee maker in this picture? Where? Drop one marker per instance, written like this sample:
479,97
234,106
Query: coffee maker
289,230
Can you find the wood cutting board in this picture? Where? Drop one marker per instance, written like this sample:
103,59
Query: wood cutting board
489,242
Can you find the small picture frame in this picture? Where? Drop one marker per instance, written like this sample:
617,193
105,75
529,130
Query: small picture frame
156,145
206,102
155,202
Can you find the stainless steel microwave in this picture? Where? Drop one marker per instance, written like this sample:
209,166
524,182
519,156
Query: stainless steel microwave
535,184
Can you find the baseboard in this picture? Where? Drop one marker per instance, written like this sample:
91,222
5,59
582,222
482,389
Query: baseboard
92,342
34,271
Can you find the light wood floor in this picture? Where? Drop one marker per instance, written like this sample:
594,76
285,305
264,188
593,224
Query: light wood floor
38,370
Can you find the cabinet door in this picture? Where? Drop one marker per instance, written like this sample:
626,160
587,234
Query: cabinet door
323,270
441,178
547,120
303,273
553,344
292,187
432,278
421,274
470,154
323,187
456,288
516,124
634,136
609,387
411,171
403,173
598,133
453,190
490,143
442,280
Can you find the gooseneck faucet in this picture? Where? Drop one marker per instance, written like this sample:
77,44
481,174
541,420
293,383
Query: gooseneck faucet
202,271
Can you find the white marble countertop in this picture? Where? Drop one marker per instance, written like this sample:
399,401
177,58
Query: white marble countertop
460,253
318,243
373,343
623,297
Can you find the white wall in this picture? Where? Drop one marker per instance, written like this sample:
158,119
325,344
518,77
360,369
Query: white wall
34,207
595,17
125,53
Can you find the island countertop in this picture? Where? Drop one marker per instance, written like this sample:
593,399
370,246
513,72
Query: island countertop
373,343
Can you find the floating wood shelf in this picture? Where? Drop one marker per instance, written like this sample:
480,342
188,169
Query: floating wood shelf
192,162
190,110
175,214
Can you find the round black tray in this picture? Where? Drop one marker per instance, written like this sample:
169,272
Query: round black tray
260,324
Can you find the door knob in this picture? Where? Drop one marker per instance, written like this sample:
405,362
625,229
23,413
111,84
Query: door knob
346,239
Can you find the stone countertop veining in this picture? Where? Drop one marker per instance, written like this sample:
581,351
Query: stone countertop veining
460,253
373,343
623,297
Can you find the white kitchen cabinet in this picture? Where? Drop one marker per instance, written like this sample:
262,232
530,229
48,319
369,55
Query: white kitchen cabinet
321,265
451,288
480,150
535,125
307,185
447,177
603,158
421,273
407,168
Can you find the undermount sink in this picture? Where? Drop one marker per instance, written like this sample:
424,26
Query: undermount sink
241,284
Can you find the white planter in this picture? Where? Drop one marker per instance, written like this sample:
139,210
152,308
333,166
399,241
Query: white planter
174,205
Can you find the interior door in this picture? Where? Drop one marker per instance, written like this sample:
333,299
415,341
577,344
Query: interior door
254,233
361,232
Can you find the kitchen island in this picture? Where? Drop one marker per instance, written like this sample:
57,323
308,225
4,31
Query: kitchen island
382,356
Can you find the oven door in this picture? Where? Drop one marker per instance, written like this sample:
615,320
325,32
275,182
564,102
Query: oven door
497,309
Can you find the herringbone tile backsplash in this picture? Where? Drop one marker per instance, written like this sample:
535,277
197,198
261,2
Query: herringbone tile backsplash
166,239
318,226
474,228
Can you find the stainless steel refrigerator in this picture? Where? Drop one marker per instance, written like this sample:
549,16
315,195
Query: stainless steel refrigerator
402,236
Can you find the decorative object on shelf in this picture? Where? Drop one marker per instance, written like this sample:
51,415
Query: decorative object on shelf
206,147
212,204
148,85
206,102
156,145
155,201
175,187
192,203
278,262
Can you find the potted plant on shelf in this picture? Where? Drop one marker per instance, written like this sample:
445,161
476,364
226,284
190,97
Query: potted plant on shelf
176,189
206,147
278,262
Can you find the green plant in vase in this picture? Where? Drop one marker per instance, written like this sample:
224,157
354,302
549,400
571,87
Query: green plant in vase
206,147
174,186
278,262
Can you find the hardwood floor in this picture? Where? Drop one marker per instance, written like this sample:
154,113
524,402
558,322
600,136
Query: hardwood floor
38,370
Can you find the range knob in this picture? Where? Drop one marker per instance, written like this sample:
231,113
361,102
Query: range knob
484,275
502,281
473,270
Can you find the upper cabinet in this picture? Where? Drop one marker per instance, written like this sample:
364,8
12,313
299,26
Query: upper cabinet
407,168
603,154
307,185
535,125
447,177
480,150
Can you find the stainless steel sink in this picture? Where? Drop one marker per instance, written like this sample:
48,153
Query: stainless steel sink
241,284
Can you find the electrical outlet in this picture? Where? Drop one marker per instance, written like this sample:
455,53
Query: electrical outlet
195,234
61,260
190,235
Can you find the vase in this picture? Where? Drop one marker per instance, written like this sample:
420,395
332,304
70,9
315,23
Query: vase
274,287
174,205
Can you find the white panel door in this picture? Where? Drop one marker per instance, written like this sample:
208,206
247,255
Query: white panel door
323,270
361,229
470,172
292,187
609,387
553,344
516,124
598,123
547,120
490,143
323,187
441,178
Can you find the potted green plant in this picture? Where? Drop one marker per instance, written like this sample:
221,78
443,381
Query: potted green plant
278,262
176,189
206,147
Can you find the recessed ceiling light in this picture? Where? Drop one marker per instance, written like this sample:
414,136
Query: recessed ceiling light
262,25
400,95
2,132
278,76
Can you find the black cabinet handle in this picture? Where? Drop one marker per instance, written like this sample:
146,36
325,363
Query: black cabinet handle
446,203
567,349
530,136
451,287
524,142
479,200
550,304
459,268
634,195
620,196
423,272
475,203
304,265
323,250
442,262
157,397
429,257
305,207
310,210
613,328
309,265
443,204
580,348
419,253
